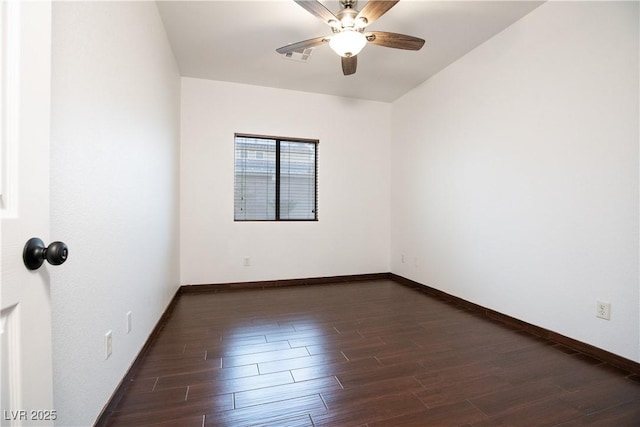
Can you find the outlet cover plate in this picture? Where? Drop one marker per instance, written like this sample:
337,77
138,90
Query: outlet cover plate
603,310
108,345
128,321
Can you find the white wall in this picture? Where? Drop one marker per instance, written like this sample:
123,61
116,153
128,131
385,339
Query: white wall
352,234
114,193
515,174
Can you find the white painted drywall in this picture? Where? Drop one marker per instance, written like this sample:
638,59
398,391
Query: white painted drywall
515,174
352,234
114,193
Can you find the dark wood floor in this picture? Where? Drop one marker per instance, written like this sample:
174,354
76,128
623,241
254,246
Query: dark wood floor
372,354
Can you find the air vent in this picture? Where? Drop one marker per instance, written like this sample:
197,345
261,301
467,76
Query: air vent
299,55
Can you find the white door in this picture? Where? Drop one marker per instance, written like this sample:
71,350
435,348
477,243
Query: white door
25,330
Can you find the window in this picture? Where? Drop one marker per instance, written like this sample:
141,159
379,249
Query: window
276,179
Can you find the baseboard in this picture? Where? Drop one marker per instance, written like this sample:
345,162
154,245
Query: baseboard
287,282
579,346
111,405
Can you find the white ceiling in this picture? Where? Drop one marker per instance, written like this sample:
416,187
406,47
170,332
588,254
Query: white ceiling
235,41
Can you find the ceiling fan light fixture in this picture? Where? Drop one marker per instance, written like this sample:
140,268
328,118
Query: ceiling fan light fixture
348,43
348,28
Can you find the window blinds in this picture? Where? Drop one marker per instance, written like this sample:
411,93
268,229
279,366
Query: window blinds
275,179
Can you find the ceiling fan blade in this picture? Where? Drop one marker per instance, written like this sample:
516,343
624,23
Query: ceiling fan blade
349,65
317,9
397,41
374,9
302,45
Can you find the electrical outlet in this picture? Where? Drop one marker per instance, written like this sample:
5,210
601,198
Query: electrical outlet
128,321
247,262
402,258
415,261
107,345
603,310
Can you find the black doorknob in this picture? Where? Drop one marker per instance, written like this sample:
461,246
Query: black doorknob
35,252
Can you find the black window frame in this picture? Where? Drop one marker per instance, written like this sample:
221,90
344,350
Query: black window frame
278,140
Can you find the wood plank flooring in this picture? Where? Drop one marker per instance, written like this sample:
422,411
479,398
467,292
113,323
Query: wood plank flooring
372,353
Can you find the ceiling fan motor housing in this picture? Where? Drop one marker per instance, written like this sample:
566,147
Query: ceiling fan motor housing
347,18
348,3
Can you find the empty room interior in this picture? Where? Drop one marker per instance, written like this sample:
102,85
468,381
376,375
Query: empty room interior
489,179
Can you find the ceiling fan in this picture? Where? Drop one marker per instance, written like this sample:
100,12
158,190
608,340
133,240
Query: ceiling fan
349,31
